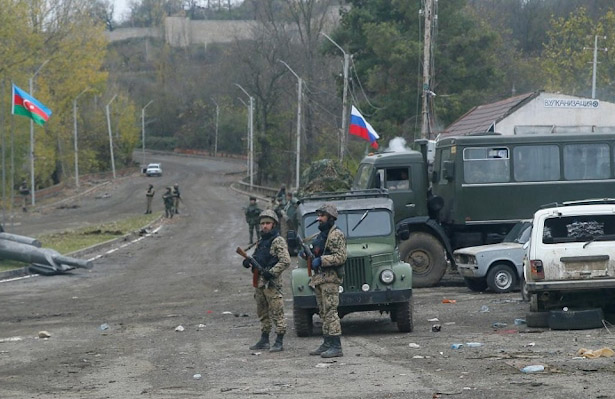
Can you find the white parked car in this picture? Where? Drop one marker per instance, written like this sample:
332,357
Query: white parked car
153,169
570,265
495,266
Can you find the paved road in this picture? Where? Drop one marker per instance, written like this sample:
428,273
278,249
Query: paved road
188,275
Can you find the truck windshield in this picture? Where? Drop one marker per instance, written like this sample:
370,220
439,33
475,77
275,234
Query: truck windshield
377,222
361,180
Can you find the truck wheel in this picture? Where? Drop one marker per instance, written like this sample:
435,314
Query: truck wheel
403,315
303,322
476,284
426,256
501,278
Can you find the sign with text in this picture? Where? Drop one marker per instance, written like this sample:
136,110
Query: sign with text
571,103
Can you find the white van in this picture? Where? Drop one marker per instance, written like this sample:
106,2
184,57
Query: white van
570,263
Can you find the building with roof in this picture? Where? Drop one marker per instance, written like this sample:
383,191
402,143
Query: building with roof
537,113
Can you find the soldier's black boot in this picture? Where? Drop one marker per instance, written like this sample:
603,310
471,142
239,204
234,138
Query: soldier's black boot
326,344
277,345
262,343
335,350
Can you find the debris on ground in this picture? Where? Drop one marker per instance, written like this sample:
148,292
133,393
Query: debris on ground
592,354
534,368
413,345
103,327
179,328
44,334
449,300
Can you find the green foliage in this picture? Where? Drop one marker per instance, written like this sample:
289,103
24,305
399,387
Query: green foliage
568,54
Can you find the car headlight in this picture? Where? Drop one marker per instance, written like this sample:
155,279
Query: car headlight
387,276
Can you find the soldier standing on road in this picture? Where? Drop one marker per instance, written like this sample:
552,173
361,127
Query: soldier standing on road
24,191
176,198
167,198
328,272
252,212
149,195
272,254
290,212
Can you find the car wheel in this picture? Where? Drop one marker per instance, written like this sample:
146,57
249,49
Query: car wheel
575,319
403,316
303,322
501,278
476,284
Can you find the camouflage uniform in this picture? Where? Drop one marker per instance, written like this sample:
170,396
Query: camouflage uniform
176,198
149,195
252,212
327,280
329,247
268,294
167,198
272,255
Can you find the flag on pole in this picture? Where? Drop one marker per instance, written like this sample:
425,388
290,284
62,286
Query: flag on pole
360,127
26,105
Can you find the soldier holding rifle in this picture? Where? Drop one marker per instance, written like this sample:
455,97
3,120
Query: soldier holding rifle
327,270
268,262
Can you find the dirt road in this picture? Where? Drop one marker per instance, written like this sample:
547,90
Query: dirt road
188,275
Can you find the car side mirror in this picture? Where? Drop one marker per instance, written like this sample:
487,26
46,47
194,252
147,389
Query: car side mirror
448,170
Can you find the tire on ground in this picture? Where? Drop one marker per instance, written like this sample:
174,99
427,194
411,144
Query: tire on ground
575,319
303,321
502,278
537,319
476,284
426,256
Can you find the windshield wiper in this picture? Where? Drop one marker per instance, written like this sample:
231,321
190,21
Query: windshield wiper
360,220
591,239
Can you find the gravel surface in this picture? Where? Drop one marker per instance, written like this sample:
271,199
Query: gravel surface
112,329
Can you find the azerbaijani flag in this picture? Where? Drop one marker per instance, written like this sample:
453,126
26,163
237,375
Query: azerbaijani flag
26,105
360,127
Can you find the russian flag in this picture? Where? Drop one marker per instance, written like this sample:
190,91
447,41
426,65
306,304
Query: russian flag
360,127
26,105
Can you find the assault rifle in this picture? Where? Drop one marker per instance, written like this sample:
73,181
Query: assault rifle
308,252
256,267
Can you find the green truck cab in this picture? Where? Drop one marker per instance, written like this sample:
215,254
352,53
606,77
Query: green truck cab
374,276
479,186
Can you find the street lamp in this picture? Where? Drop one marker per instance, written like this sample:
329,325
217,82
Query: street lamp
110,135
298,154
248,136
143,130
251,138
75,139
31,83
344,97
216,137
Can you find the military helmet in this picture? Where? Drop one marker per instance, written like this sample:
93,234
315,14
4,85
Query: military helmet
268,213
328,208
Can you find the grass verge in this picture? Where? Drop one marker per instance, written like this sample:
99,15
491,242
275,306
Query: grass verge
72,240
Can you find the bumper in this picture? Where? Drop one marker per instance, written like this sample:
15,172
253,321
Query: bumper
358,299
570,285
469,271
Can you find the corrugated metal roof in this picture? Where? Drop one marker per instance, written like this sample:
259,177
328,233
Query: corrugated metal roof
481,118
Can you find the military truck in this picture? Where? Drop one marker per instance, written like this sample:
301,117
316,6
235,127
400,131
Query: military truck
480,186
374,276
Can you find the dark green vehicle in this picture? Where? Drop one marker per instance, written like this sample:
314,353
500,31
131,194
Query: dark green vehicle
374,276
480,187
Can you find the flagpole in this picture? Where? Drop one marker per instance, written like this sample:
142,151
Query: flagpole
32,187
110,135
76,146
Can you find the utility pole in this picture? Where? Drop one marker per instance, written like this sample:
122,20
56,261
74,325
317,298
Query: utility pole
76,145
605,49
344,132
143,130
251,137
247,136
425,128
110,135
217,119
298,152
32,187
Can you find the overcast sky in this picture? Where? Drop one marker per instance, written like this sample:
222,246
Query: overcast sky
121,9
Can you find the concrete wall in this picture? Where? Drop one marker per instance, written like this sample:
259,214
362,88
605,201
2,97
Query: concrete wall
560,113
132,33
